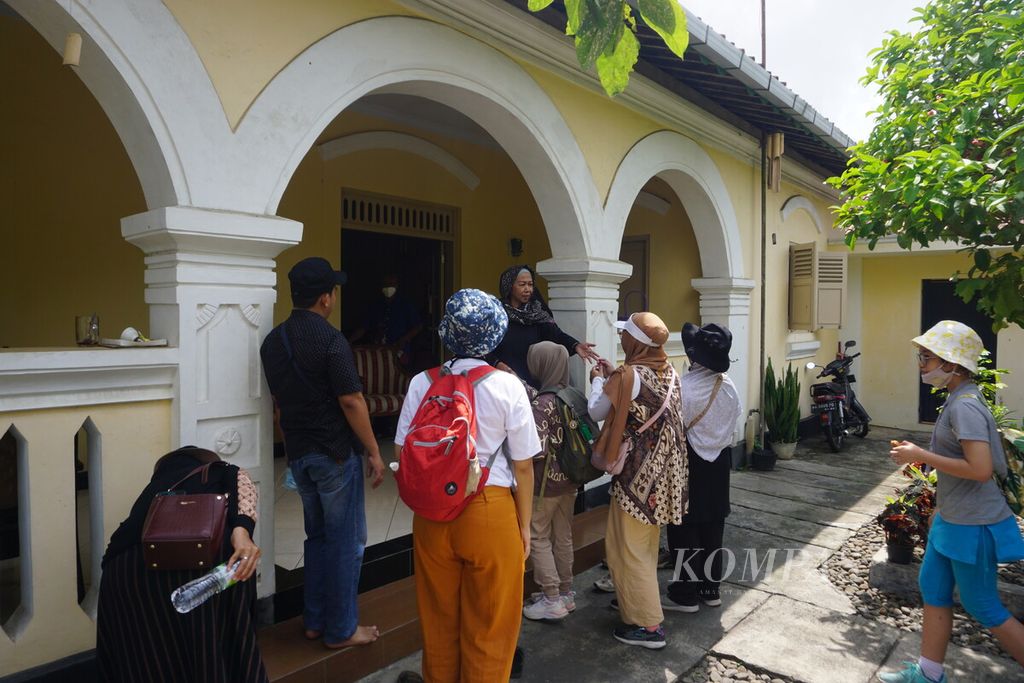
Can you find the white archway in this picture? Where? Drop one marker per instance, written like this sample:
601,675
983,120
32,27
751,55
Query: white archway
428,60
799,202
724,288
400,142
126,50
695,179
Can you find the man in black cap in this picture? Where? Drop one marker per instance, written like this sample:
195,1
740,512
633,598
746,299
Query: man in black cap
711,411
312,376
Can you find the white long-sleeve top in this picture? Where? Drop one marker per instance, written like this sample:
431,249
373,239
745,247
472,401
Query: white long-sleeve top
598,405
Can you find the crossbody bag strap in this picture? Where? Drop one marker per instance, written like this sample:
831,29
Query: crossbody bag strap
664,405
714,393
205,469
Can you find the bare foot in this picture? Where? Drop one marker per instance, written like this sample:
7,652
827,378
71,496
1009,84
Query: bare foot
364,635
312,635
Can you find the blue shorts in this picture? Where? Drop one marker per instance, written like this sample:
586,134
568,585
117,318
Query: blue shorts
965,556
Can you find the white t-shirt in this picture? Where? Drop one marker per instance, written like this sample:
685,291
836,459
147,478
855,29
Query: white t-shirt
502,411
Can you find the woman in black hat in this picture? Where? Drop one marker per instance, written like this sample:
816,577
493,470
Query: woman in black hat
711,410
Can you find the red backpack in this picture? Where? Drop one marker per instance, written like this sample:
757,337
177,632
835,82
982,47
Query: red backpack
439,472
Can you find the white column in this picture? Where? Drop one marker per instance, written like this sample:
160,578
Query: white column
726,301
584,296
210,286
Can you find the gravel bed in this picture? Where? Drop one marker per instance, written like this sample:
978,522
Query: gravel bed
726,670
848,568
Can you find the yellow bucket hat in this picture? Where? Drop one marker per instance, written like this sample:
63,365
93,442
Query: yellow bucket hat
953,341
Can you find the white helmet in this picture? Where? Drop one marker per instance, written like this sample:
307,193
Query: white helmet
953,341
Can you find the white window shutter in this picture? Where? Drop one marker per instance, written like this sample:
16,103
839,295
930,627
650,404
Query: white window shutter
831,289
802,275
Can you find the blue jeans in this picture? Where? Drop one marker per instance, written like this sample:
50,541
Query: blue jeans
335,520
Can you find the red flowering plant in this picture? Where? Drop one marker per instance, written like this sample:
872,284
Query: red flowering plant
907,515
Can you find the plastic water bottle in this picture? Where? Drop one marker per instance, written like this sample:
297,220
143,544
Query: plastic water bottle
197,591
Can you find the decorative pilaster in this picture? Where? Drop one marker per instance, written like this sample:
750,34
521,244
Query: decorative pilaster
726,301
584,296
210,286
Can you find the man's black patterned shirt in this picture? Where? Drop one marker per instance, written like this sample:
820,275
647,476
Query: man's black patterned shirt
311,418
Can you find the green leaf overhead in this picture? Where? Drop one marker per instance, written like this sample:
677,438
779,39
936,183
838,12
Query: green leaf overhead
668,19
605,34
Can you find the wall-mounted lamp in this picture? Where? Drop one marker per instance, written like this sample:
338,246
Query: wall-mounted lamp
515,247
72,49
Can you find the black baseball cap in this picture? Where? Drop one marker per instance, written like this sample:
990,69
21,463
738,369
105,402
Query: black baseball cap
314,276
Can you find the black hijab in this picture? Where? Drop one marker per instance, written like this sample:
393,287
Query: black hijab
536,310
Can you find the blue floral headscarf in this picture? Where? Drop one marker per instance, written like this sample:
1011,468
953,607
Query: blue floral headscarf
474,323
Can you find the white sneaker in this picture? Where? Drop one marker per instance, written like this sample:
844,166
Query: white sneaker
569,600
546,608
605,584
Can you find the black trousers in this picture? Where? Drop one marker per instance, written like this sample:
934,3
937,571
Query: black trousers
699,537
699,544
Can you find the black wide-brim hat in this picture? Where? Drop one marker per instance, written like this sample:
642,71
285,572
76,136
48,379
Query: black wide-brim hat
708,345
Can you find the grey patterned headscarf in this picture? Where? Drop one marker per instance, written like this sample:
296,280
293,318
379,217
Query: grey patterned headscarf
474,323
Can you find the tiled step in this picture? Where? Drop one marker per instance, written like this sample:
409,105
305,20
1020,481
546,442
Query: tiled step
290,658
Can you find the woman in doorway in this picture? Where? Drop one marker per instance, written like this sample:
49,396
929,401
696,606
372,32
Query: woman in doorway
529,321
640,404
139,635
973,528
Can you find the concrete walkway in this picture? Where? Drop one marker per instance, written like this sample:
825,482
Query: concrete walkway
781,617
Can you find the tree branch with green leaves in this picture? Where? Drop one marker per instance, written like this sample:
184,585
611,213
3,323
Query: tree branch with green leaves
605,34
945,160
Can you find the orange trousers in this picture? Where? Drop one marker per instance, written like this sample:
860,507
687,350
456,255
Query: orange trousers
469,590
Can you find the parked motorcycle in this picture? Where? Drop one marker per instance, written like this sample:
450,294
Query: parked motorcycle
834,402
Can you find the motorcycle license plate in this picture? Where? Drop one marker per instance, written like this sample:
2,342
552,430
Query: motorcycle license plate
825,407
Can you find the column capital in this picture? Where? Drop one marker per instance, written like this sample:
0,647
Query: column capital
192,230
722,285
589,269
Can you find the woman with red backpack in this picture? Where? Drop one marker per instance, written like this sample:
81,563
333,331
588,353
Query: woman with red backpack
469,569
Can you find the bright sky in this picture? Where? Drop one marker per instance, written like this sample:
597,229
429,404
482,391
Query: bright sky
818,48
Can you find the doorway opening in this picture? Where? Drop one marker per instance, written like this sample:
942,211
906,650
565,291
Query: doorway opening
939,301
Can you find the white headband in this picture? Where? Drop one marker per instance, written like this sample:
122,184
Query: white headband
629,326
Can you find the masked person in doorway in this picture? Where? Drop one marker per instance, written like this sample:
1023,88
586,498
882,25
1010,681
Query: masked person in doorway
529,321
392,320
973,527
711,410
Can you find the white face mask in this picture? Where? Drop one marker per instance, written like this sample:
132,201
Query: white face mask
389,292
938,377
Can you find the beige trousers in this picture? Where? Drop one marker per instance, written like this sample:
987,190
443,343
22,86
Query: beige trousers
551,543
632,551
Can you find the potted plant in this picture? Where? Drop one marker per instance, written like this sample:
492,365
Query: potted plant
761,458
906,516
782,410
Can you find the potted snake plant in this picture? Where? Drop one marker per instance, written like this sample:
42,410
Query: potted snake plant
782,410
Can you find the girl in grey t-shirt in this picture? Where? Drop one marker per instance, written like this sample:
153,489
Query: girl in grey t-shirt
973,528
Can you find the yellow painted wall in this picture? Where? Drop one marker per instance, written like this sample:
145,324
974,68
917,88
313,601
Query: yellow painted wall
674,261
65,184
499,208
245,43
892,316
133,437
604,129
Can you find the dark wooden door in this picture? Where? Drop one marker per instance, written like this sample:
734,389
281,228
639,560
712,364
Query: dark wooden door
940,302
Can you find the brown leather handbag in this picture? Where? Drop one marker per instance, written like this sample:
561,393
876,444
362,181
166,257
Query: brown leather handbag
185,531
